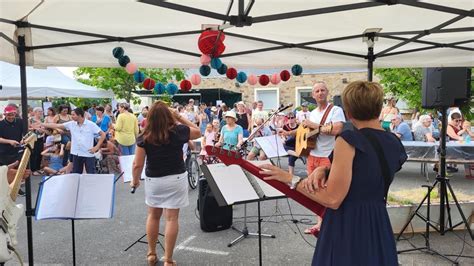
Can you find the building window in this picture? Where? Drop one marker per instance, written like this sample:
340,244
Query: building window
269,96
302,93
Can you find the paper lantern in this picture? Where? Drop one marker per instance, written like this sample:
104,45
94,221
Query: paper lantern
275,79
118,52
205,59
241,77
252,79
131,68
208,45
139,76
222,70
160,88
195,79
296,70
171,88
149,84
205,70
231,73
216,63
285,75
185,85
124,60
264,80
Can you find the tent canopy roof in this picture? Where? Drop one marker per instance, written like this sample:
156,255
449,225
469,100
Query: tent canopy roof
304,38
43,83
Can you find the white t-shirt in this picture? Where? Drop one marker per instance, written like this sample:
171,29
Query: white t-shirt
256,114
82,137
325,143
301,116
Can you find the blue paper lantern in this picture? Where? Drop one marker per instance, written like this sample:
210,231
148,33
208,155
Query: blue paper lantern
296,70
205,70
222,70
216,63
118,52
160,88
241,77
139,77
171,88
124,60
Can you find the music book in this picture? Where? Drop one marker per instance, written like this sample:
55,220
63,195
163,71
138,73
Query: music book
232,185
272,146
76,196
126,165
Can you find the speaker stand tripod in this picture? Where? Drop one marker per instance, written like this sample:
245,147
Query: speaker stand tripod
144,242
245,232
277,213
443,184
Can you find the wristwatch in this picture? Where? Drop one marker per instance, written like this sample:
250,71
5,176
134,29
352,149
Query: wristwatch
294,181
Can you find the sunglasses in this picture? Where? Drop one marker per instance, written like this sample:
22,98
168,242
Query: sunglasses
457,120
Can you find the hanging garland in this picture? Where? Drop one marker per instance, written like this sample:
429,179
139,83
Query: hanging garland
211,44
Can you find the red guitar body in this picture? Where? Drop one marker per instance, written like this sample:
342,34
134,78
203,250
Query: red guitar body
232,157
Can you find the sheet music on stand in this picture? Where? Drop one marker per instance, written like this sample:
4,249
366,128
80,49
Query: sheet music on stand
126,165
232,185
272,146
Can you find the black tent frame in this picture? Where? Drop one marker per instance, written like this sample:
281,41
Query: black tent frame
240,20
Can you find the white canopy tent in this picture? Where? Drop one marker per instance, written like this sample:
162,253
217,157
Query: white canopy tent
44,83
276,34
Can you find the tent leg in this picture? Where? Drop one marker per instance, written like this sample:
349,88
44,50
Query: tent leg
24,111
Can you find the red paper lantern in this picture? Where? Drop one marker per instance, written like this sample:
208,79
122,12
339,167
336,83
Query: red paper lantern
207,41
149,84
185,85
285,75
263,80
231,73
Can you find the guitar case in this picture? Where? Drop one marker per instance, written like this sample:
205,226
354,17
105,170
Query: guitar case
212,217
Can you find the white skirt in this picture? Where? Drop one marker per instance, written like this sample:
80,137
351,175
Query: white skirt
167,192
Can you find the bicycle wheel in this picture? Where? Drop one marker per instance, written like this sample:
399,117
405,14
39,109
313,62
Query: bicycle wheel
193,173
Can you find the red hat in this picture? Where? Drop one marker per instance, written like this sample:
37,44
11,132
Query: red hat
9,110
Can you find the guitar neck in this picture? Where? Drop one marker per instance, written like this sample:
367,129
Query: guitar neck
285,189
15,185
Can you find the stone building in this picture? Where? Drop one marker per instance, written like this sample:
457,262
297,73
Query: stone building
293,91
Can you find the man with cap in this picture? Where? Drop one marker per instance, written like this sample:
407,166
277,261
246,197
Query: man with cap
303,114
11,133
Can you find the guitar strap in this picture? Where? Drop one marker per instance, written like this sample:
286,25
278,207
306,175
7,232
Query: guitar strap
325,115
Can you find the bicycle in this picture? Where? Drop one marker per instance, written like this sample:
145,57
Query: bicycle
193,168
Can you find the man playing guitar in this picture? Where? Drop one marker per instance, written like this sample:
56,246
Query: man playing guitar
326,139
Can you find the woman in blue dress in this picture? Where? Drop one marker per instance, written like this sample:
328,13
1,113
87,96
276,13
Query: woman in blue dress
356,228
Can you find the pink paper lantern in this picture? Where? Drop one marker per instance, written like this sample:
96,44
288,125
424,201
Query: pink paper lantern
275,79
205,59
131,68
195,79
252,79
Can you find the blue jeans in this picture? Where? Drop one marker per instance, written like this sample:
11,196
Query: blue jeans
78,163
127,150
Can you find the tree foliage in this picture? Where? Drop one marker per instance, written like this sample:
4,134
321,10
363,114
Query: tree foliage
405,83
120,82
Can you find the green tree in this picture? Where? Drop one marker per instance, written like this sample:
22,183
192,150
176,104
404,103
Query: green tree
405,83
120,82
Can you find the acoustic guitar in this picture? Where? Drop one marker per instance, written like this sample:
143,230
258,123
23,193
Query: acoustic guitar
11,212
232,157
306,138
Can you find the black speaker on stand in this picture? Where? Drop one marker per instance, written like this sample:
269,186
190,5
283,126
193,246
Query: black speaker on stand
442,88
212,217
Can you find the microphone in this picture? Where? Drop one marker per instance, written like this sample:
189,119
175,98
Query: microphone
286,107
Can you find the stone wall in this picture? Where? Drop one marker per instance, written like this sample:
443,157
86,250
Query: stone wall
335,81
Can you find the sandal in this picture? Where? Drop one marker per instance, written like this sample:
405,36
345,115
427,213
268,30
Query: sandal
167,261
151,258
313,231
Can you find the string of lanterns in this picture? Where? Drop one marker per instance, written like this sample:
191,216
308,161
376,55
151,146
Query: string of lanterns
211,44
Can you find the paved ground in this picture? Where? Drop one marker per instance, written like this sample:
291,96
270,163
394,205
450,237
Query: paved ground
103,241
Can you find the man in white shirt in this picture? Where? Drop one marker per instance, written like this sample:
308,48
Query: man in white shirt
259,113
303,114
83,132
327,138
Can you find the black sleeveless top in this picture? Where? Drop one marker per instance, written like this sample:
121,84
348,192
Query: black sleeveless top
242,120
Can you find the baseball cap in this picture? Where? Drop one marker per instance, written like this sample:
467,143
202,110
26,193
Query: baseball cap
9,110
